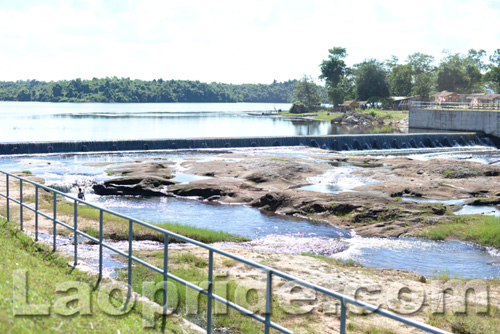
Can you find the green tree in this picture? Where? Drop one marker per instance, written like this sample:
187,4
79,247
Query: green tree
420,63
400,80
371,81
332,71
493,74
57,90
307,92
423,84
461,73
422,73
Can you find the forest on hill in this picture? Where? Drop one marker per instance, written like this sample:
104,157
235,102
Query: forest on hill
125,90
371,80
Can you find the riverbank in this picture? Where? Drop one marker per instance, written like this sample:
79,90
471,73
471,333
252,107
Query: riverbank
47,282
421,299
326,115
305,311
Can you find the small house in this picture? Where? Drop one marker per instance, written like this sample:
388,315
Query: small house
400,102
349,106
446,96
475,100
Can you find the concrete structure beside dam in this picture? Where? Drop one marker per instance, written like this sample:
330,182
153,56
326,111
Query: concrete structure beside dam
454,117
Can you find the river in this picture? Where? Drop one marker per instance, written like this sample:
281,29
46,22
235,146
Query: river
49,121
45,121
269,232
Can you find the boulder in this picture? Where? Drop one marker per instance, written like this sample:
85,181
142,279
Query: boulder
298,108
354,118
134,186
143,179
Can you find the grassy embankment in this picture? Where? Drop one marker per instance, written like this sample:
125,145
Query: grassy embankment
483,230
46,272
325,115
320,115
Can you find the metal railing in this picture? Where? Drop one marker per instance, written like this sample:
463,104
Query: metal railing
468,105
270,272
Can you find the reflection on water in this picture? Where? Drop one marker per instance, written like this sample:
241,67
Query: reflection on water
424,256
479,210
186,178
336,180
466,209
236,219
430,200
36,121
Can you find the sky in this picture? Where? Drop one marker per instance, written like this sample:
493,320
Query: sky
229,41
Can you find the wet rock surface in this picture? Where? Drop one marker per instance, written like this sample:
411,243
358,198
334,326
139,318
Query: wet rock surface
270,183
141,179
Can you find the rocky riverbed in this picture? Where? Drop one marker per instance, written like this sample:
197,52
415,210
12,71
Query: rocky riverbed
372,206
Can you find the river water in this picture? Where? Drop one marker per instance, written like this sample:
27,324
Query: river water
44,121
268,231
47,121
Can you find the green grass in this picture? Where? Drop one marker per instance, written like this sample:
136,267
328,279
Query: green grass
27,172
468,323
445,276
386,114
377,330
382,129
336,262
201,234
45,272
328,116
484,230
320,115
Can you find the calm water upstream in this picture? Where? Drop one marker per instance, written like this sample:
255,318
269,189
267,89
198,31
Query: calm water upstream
39,121
269,232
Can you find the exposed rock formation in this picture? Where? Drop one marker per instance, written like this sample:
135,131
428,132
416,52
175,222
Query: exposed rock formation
354,118
143,179
298,108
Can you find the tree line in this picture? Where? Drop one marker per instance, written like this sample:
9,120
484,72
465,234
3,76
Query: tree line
374,81
126,90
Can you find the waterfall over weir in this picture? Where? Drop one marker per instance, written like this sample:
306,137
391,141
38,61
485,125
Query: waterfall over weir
333,142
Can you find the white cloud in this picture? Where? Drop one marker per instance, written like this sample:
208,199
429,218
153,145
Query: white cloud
229,41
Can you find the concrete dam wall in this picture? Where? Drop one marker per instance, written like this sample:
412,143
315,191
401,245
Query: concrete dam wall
336,143
456,120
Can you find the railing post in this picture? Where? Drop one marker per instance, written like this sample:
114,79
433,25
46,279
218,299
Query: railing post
100,243
165,273
54,220
21,203
210,290
36,212
269,299
75,236
130,237
8,198
343,316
